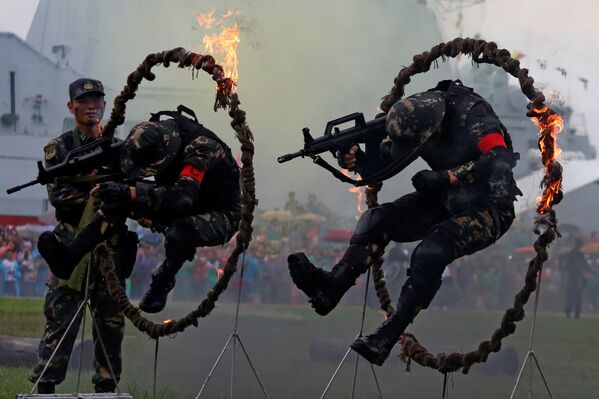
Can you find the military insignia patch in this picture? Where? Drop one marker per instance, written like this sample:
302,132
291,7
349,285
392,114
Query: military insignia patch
50,151
88,86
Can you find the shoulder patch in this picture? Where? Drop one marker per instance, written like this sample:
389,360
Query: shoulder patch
50,151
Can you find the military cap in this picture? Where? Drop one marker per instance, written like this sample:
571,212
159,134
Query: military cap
150,148
416,117
83,86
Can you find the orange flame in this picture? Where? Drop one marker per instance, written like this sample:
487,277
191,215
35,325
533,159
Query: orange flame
168,321
230,12
219,273
359,191
205,20
550,125
100,129
222,46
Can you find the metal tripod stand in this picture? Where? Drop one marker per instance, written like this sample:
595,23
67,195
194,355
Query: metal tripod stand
326,390
530,354
235,339
85,305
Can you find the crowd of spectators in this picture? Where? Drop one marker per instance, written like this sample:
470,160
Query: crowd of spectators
23,271
486,280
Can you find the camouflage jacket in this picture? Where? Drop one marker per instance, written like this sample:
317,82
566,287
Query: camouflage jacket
68,199
176,193
483,175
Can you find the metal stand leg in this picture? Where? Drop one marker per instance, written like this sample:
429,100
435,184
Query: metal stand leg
155,369
376,381
530,354
235,338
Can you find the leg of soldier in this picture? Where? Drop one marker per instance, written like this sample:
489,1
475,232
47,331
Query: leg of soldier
60,307
578,300
182,238
406,219
110,324
63,255
569,307
458,236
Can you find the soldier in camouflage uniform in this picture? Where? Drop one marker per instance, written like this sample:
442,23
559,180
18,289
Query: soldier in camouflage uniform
460,206
66,295
195,197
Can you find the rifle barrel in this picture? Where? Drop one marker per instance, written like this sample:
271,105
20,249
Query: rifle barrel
22,186
289,157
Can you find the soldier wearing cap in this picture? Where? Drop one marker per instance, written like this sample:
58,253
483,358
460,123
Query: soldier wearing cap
463,204
66,294
195,198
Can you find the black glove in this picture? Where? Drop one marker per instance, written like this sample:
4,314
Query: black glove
112,192
357,153
430,181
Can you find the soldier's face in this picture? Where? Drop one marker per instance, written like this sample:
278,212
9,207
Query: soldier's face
87,109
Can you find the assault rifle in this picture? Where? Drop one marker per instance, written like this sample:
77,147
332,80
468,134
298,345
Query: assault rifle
338,142
96,155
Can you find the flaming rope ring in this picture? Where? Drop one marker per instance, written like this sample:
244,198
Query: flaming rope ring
225,98
550,124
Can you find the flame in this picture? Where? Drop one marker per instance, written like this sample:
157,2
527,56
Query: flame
359,191
222,46
550,124
219,273
230,12
168,321
205,20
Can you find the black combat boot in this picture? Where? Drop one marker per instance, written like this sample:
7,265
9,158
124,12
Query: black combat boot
376,347
325,289
62,257
46,388
105,386
163,281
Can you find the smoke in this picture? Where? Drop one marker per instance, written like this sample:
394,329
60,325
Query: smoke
301,64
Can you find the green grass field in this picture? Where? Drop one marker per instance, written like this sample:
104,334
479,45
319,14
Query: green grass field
278,339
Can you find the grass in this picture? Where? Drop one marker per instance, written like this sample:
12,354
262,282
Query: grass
279,339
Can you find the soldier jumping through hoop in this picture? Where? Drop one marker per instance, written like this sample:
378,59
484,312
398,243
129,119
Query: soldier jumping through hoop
463,204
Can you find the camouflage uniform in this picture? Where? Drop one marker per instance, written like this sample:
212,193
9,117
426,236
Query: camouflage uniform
210,207
65,296
195,193
460,134
474,213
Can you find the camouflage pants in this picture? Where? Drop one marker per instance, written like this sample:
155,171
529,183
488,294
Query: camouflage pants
416,216
445,237
60,307
187,233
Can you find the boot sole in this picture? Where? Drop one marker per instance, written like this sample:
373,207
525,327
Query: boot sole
364,350
300,270
150,309
151,306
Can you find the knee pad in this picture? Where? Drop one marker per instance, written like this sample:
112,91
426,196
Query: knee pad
178,242
429,260
372,225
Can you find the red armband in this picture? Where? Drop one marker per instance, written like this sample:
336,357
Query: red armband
193,172
491,141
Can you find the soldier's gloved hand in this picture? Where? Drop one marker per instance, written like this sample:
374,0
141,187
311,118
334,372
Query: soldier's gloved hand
112,192
349,159
430,181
